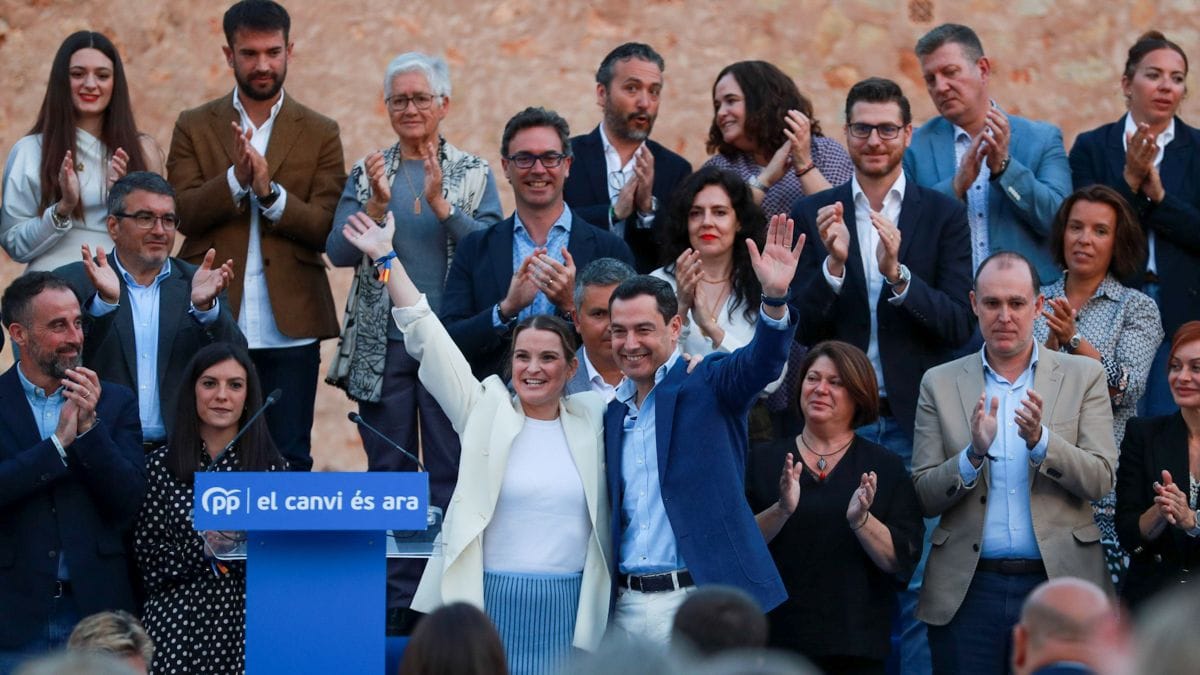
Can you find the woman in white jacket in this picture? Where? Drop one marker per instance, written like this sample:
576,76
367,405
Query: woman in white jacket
527,533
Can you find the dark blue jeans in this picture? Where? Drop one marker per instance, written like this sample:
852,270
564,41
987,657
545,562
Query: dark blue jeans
294,371
978,640
63,617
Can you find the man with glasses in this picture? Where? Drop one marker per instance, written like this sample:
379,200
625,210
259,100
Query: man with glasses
525,264
258,176
888,269
1011,172
622,179
145,313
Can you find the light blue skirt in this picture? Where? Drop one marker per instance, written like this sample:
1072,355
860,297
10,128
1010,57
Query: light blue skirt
535,616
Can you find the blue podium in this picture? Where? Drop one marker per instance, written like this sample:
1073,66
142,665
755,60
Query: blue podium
316,571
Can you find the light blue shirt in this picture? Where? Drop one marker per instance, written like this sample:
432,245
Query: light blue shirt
977,199
1008,523
144,304
46,408
523,246
647,539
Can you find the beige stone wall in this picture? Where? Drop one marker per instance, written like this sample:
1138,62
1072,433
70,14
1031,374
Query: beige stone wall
1059,61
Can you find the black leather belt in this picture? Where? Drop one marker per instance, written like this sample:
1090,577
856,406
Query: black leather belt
61,587
657,583
1011,566
885,407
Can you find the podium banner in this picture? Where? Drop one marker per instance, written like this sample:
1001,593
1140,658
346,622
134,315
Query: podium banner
287,501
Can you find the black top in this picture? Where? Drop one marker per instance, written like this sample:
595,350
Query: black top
1152,444
839,602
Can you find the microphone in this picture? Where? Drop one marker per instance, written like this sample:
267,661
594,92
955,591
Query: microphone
272,398
357,419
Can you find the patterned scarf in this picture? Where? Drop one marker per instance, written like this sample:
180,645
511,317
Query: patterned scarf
357,366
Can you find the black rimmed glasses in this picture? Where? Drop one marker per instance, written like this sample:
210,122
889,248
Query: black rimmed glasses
525,160
400,102
887,132
146,220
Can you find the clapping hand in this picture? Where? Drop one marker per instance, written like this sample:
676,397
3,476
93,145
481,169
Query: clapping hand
381,191
789,484
1060,319
207,283
1141,150
997,131
1029,418
1173,503
101,274
887,252
831,227
118,165
556,280
68,183
860,502
984,425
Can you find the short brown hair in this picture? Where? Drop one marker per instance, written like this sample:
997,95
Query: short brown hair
858,377
1129,243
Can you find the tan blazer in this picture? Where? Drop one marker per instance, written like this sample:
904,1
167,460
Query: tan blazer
1081,457
488,418
305,157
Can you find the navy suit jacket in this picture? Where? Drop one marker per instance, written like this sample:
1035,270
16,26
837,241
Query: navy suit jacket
79,509
478,279
702,440
1099,157
586,191
1022,202
109,347
917,334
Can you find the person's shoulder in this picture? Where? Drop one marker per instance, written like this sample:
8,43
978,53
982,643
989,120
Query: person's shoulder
664,155
587,140
31,144
308,115
938,200
216,105
114,394
586,404
1022,126
931,126
478,238
951,368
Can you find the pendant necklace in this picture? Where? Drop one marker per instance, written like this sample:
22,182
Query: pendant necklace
821,463
407,180
713,310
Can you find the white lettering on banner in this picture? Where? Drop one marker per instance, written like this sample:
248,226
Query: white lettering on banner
401,503
360,503
313,502
218,500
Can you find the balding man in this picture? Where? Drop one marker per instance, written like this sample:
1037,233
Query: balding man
1061,631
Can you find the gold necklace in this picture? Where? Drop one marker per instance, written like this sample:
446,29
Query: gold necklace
821,463
711,311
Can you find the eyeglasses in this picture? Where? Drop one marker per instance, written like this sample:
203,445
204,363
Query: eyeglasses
399,103
147,220
525,160
887,132
617,180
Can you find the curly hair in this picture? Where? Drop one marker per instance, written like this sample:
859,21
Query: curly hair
769,94
751,222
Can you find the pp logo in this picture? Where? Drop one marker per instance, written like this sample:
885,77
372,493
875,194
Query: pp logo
219,501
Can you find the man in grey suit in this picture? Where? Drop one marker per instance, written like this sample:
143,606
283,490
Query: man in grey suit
597,369
1011,172
1012,444
146,313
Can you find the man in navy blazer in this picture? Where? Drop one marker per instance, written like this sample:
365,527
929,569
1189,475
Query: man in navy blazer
888,268
676,447
525,264
72,476
622,180
1011,172
180,298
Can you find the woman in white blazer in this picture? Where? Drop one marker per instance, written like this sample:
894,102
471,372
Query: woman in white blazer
527,533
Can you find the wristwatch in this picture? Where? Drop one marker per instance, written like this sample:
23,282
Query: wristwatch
1003,168
905,277
653,208
1073,343
757,184
61,223
269,200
